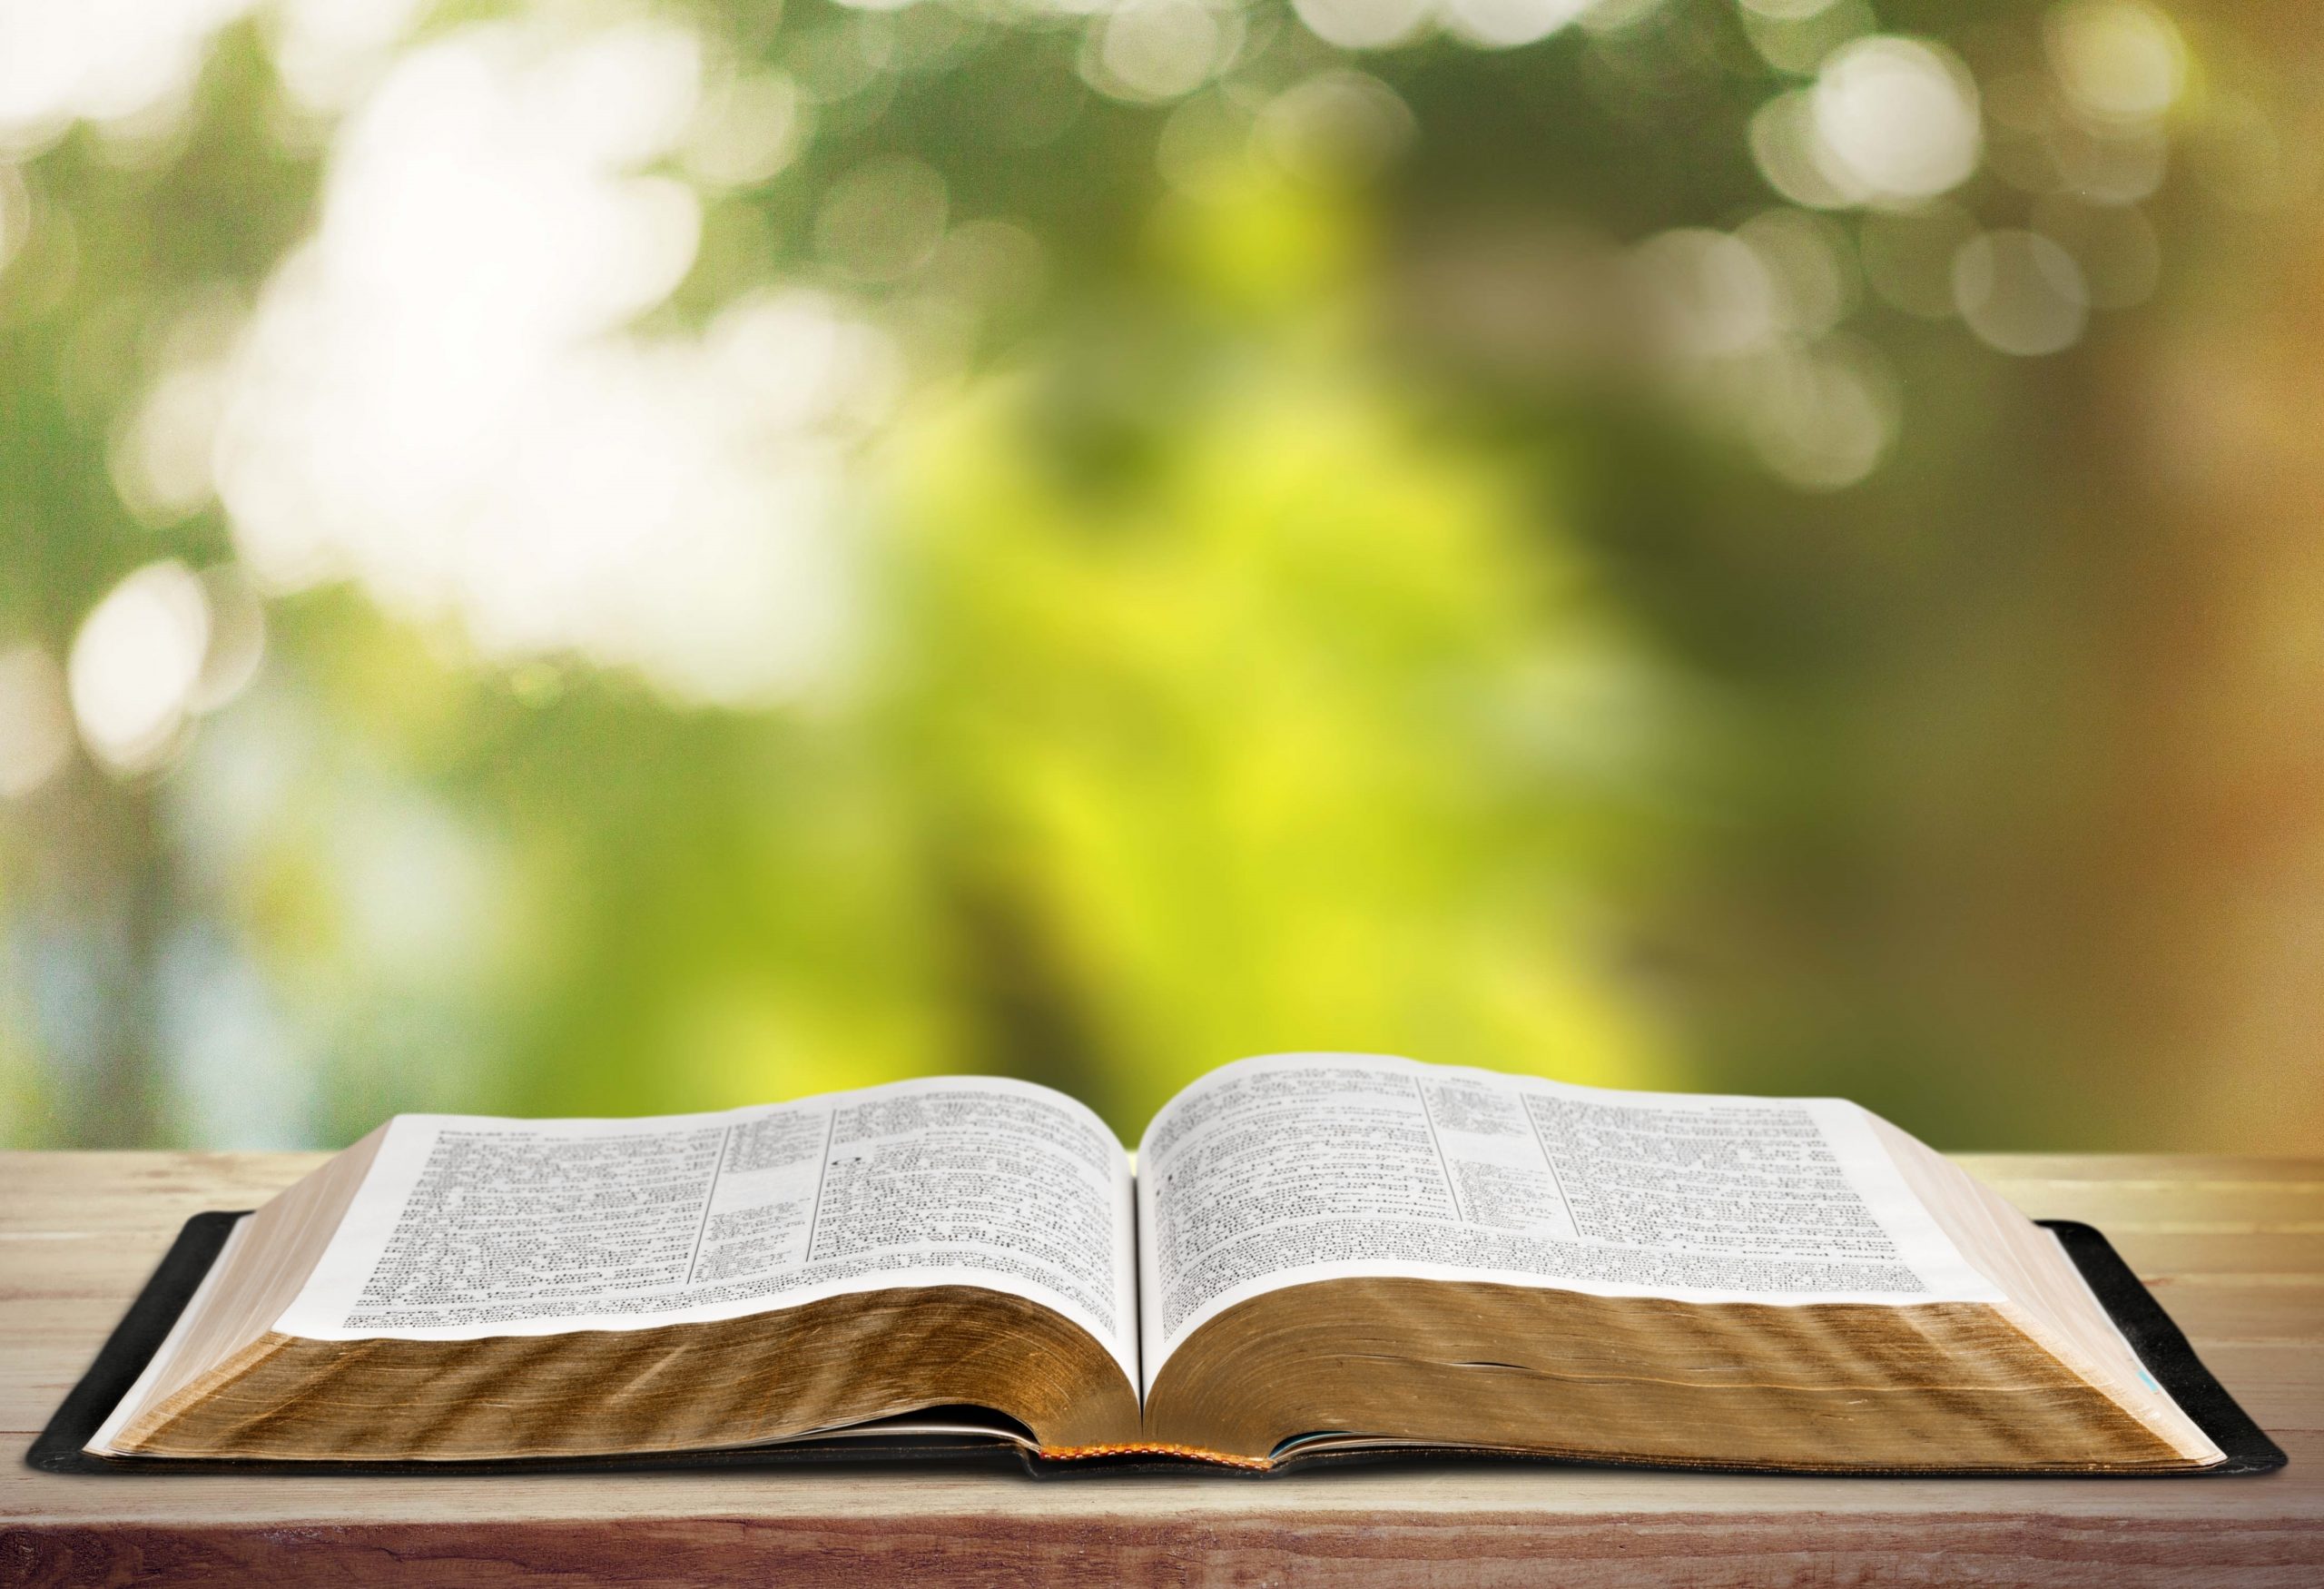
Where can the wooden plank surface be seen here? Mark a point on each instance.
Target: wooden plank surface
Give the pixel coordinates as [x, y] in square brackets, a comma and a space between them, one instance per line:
[2235, 1247]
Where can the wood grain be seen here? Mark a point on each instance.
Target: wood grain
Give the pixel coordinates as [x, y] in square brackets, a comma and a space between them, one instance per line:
[78, 1233]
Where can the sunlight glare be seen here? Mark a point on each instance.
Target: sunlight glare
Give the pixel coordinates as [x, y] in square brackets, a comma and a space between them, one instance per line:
[439, 397]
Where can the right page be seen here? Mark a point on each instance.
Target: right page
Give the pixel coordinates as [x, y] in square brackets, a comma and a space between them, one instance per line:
[1292, 1168]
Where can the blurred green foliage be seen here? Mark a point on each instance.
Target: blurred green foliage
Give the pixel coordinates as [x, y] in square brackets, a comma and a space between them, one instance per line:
[1292, 596]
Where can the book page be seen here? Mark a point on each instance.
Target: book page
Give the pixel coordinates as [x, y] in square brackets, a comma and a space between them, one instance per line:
[1293, 1167]
[469, 1226]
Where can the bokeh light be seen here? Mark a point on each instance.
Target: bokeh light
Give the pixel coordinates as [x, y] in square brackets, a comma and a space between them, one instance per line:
[2119, 60]
[2020, 291]
[136, 664]
[1712, 292]
[1502, 25]
[1365, 24]
[1337, 126]
[882, 220]
[747, 130]
[1160, 49]
[1896, 118]
[1810, 274]
[1823, 417]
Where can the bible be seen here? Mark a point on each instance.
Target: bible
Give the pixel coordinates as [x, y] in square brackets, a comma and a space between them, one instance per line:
[1311, 1257]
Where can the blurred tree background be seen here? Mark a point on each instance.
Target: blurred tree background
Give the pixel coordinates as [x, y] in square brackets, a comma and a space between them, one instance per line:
[578, 557]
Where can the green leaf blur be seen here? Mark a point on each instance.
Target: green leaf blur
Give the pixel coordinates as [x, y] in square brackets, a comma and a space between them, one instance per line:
[622, 559]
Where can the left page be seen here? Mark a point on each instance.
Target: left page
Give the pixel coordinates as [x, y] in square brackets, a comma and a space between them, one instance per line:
[470, 1226]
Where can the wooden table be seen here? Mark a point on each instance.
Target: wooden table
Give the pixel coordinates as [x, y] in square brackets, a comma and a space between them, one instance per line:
[2234, 1247]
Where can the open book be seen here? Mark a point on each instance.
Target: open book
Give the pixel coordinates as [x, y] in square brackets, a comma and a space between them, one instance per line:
[1317, 1253]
